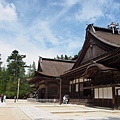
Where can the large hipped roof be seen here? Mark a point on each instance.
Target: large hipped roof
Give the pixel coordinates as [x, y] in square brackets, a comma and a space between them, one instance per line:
[53, 67]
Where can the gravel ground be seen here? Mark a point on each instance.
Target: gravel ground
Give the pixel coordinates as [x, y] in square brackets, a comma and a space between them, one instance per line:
[12, 111]
[12, 114]
[82, 113]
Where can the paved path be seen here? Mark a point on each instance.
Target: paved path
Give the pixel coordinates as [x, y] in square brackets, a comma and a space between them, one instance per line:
[38, 114]
[23, 110]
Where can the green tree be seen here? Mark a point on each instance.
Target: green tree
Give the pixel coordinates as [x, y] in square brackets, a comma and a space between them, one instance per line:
[66, 57]
[16, 64]
[62, 57]
[58, 57]
[30, 74]
[3, 80]
[15, 71]
[31, 70]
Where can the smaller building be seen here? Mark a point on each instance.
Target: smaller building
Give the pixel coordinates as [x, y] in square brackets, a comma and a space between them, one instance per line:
[47, 77]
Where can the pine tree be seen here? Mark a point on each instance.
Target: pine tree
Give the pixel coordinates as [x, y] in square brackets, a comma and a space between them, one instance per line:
[15, 70]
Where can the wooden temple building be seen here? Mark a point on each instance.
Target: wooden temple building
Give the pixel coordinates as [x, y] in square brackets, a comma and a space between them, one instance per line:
[47, 77]
[94, 78]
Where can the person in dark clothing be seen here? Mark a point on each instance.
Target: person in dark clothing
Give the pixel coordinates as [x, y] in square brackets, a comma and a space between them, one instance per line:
[2, 97]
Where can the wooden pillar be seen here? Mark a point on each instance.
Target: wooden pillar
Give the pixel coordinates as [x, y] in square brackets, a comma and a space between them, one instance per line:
[113, 95]
[72, 89]
[60, 92]
[46, 94]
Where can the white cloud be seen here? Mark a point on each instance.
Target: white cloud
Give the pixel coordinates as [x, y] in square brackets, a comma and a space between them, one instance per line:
[5, 50]
[111, 10]
[21, 41]
[72, 2]
[111, 6]
[74, 44]
[7, 12]
[65, 3]
[37, 35]
[90, 11]
[47, 33]
[66, 6]
[95, 9]
[41, 33]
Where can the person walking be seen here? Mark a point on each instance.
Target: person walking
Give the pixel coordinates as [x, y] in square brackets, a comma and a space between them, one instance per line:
[54, 101]
[64, 100]
[4, 98]
[14, 99]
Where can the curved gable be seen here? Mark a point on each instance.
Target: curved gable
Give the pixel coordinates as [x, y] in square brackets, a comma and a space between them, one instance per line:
[96, 45]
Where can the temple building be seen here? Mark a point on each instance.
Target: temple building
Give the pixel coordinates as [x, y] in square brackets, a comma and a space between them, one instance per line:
[47, 78]
[93, 78]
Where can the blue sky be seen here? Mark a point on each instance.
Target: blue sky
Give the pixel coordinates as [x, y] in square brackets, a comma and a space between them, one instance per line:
[49, 28]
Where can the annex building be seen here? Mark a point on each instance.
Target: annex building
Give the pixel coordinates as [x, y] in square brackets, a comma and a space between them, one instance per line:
[47, 77]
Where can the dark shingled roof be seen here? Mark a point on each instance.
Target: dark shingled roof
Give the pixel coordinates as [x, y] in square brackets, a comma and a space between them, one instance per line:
[107, 36]
[53, 67]
[102, 37]
[96, 66]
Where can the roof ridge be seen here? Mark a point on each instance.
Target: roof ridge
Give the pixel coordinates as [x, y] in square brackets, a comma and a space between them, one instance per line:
[97, 28]
[51, 59]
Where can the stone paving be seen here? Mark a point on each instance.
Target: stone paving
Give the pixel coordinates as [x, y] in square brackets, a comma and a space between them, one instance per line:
[23, 110]
[36, 113]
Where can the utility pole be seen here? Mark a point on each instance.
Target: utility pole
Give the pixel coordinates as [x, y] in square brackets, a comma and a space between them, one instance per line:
[18, 89]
